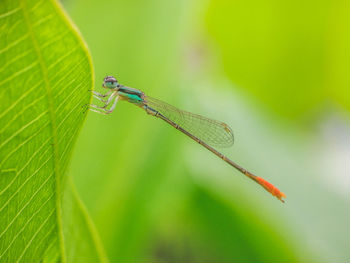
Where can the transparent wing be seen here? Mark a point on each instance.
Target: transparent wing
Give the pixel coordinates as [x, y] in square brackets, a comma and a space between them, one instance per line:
[210, 131]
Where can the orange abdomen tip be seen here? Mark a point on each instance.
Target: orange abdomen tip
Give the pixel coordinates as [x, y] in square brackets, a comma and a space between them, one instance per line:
[270, 188]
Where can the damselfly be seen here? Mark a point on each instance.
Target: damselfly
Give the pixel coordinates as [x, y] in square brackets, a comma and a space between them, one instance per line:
[205, 131]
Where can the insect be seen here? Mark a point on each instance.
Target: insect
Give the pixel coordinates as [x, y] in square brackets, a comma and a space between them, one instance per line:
[205, 131]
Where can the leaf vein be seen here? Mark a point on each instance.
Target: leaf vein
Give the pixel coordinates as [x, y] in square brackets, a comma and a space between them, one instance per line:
[14, 59]
[67, 115]
[35, 234]
[57, 38]
[19, 72]
[22, 97]
[14, 43]
[56, 167]
[26, 164]
[25, 205]
[22, 229]
[49, 232]
[42, 20]
[19, 113]
[8, 13]
[23, 184]
[64, 77]
[65, 99]
[62, 58]
[22, 128]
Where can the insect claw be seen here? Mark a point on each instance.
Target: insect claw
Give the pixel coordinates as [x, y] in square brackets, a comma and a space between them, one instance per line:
[85, 107]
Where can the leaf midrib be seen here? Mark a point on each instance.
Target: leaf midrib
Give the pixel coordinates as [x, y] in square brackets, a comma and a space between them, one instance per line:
[53, 127]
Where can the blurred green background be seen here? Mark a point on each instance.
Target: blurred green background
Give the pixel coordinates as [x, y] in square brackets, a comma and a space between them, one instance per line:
[277, 72]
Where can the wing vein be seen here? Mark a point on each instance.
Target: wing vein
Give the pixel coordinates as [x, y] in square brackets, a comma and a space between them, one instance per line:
[210, 131]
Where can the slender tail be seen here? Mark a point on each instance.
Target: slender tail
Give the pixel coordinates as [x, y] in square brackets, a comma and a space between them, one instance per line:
[267, 185]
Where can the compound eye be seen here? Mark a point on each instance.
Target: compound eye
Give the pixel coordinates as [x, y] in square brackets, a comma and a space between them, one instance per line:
[110, 79]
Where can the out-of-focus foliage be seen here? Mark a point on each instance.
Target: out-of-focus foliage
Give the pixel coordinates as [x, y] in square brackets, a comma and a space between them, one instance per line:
[156, 196]
[45, 72]
[293, 56]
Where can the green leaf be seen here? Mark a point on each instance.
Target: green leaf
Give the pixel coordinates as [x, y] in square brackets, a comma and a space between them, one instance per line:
[80, 236]
[45, 75]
